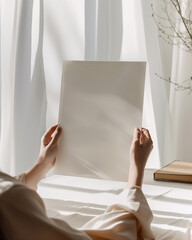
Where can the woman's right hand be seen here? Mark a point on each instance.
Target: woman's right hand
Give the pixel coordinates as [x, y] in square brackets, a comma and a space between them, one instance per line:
[46, 159]
[140, 150]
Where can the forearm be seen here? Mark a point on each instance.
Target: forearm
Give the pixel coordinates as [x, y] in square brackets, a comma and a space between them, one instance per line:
[34, 175]
[46, 159]
[135, 175]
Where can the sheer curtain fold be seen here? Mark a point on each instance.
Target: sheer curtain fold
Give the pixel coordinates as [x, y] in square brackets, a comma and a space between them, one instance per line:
[8, 19]
[23, 97]
[109, 30]
[159, 97]
[181, 106]
[30, 115]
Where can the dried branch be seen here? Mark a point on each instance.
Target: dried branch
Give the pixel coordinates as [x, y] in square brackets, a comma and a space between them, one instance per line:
[185, 85]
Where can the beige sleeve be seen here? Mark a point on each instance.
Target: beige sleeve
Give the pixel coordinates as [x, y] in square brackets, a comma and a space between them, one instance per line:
[129, 218]
[23, 216]
[20, 178]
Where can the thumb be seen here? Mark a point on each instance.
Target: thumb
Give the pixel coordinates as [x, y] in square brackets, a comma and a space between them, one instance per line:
[136, 135]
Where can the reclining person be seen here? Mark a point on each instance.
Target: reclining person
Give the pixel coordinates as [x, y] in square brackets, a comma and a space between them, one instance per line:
[23, 215]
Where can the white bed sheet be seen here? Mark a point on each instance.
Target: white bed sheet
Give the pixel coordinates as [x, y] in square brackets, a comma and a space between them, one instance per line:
[77, 200]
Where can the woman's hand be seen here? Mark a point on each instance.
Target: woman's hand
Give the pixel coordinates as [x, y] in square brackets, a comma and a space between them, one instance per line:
[48, 151]
[141, 147]
[46, 159]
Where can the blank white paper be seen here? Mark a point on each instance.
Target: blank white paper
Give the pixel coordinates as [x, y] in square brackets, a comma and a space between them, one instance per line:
[100, 105]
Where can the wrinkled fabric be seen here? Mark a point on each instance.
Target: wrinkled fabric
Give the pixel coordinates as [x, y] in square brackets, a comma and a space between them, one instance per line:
[23, 216]
[21, 178]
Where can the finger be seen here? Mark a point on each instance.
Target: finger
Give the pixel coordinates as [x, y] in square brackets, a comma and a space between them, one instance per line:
[136, 134]
[51, 130]
[147, 136]
[56, 136]
[48, 134]
[142, 137]
[146, 132]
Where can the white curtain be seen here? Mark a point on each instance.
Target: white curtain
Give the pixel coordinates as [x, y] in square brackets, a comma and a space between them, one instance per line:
[36, 36]
[23, 93]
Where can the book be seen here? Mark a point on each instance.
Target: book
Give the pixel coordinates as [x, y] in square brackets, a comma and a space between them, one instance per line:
[177, 171]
